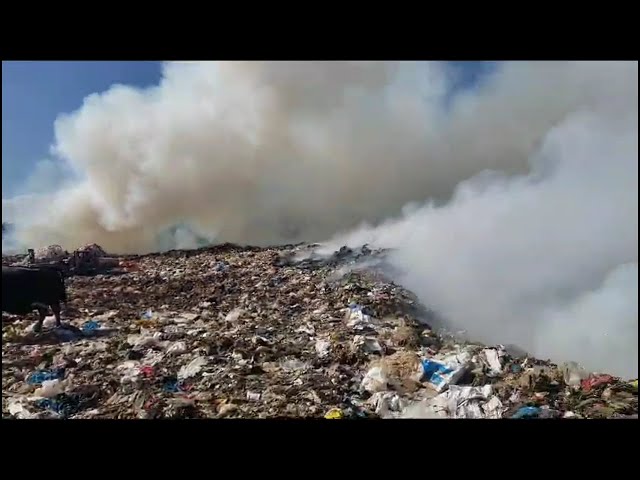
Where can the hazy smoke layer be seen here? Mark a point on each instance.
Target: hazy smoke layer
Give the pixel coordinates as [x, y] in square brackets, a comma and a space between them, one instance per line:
[542, 252]
[547, 261]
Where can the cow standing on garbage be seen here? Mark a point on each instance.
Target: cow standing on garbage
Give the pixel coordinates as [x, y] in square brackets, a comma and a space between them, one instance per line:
[26, 289]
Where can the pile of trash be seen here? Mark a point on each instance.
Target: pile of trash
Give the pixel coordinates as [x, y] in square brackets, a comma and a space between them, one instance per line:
[85, 260]
[229, 331]
[50, 253]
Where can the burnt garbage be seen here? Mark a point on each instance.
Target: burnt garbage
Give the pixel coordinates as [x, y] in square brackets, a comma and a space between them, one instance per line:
[246, 332]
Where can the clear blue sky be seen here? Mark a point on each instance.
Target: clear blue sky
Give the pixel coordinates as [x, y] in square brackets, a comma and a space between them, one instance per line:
[35, 93]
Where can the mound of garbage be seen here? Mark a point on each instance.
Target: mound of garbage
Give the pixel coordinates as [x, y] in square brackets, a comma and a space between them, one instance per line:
[89, 259]
[251, 332]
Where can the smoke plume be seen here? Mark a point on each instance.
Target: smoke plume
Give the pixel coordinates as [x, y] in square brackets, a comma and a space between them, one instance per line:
[513, 204]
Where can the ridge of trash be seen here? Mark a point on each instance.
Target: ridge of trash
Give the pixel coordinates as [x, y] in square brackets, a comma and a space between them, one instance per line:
[258, 332]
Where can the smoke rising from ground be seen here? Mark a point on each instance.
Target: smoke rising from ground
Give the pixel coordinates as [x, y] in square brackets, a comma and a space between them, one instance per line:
[530, 233]
[547, 261]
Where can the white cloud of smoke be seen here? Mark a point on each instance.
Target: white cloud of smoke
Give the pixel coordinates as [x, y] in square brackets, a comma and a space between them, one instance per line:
[537, 246]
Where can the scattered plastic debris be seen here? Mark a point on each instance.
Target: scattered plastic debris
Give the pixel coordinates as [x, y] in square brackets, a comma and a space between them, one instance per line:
[42, 376]
[334, 414]
[527, 412]
[253, 396]
[493, 357]
[192, 369]
[17, 409]
[51, 388]
[443, 371]
[470, 402]
[243, 332]
[90, 327]
[573, 374]
[596, 381]
[322, 347]
[375, 380]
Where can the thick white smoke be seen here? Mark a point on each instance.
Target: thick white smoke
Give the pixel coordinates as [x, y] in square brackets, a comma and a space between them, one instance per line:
[537, 246]
[547, 261]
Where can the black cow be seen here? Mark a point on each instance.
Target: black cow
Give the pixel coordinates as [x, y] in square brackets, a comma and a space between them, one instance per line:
[26, 289]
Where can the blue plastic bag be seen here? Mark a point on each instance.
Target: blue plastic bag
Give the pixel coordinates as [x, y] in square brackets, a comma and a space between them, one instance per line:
[38, 378]
[527, 412]
[90, 327]
[437, 374]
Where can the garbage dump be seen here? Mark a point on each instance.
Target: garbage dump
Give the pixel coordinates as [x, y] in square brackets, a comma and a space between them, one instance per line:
[89, 259]
[233, 332]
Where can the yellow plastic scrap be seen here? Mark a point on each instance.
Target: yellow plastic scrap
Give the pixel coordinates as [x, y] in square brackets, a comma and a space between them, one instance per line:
[634, 384]
[334, 414]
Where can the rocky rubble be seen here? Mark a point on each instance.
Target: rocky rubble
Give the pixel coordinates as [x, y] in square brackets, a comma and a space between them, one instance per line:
[228, 332]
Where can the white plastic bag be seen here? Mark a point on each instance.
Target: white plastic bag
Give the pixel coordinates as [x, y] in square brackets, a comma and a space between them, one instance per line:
[375, 380]
[18, 410]
[356, 318]
[234, 315]
[192, 369]
[322, 347]
[493, 358]
[368, 344]
[444, 370]
[471, 402]
[51, 388]
[177, 348]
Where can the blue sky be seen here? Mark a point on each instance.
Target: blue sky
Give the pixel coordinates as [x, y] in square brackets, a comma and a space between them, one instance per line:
[35, 93]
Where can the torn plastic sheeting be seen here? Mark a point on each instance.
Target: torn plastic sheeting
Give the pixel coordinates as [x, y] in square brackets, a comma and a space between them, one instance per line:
[493, 358]
[144, 341]
[43, 376]
[369, 344]
[527, 412]
[573, 374]
[356, 318]
[387, 404]
[18, 410]
[375, 380]
[177, 348]
[63, 405]
[596, 381]
[424, 409]
[322, 347]
[470, 402]
[440, 375]
[90, 326]
[51, 388]
[192, 369]
[173, 387]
